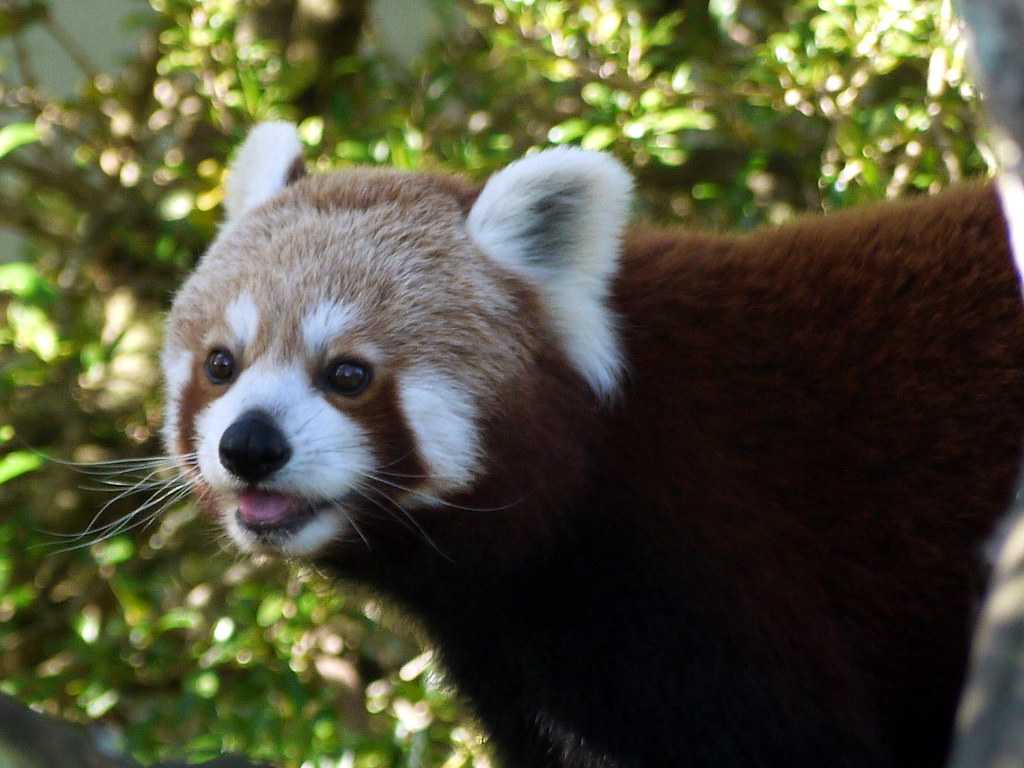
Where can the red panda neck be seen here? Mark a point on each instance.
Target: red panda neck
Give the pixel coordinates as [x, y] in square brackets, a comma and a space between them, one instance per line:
[818, 427]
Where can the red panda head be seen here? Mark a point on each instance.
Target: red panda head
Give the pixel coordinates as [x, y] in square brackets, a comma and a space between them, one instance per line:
[349, 334]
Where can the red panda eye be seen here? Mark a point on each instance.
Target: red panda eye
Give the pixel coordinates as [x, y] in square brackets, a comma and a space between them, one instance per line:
[220, 366]
[347, 377]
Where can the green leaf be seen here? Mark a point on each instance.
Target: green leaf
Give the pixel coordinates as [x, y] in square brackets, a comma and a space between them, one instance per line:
[311, 131]
[270, 609]
[568, 131]
[607, 25]
[24, 281]
[114, 551]
[205, 684]
[33, 330]
[100, 705]
[665, 31]
[706, 191]
[133, 605]
[599, 137]
[18, 463]
[683, 119]
[177, 205]
[180, 618]
[249, 81]
[17, 135]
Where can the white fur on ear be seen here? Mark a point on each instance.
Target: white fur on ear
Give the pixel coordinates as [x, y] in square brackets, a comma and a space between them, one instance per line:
[1011, 195]
[557, 219]
[262, 167]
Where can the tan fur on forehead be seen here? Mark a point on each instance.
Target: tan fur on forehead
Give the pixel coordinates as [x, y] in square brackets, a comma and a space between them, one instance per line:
[362, 188]
[392, 247]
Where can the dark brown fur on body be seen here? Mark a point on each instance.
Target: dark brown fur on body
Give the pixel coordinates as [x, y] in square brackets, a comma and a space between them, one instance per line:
[763, 551]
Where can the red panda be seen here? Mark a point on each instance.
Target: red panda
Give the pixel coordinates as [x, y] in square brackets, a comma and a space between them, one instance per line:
[658, 498]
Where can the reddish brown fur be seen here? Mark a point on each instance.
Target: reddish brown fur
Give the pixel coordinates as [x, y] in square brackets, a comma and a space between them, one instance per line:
[367, 188]
[840, 400]
[774, 536]
[764, 550]
[381, 416]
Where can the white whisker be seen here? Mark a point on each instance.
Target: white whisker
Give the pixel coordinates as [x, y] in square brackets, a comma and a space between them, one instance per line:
[419, 528]
[130, 522]
[436, 500]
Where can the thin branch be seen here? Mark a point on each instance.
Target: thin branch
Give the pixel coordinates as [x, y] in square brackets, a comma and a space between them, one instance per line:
[26, 224]
[28, 75]
[66, 182]
[70, 46]
[34, 103]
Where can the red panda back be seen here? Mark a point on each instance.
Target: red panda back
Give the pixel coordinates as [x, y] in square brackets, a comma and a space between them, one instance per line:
[837, 405]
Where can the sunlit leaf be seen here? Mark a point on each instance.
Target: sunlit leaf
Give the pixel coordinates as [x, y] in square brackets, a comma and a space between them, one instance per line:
[114, 551]
[568, 131]
[17, 463]
[270, 610]
[206, 684]
[24, 281]
[87, 623]
[311, 130]
[682, 119]
[100, 705]
[599, 137]
[33, 330]
[177, 205]
[17, 135]
[180, 618]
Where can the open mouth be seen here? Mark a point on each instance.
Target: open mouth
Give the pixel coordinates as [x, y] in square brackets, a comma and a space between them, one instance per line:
[274, 516]
[278, 523]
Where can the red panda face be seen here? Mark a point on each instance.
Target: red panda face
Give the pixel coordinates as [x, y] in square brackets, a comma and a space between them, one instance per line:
[343, 341]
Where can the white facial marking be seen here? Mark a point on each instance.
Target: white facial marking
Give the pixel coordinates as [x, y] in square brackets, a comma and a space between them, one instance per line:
[177, 368]
[260, 169]
[242, 539]
[310, 424]
[330, 452]
[443, 418]
[325, 322]
[557, 219]
[314, 534]
[244, 319]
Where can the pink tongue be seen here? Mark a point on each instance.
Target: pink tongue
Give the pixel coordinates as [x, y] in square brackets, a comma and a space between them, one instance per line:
[261, 508]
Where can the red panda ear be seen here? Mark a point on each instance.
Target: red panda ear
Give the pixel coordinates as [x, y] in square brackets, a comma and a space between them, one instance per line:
[557, 218]
[269, 159]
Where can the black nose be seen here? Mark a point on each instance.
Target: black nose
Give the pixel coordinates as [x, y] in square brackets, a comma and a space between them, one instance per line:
[252, 448]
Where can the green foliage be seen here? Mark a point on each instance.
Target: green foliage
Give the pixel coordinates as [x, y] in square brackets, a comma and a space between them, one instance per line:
[732, 113]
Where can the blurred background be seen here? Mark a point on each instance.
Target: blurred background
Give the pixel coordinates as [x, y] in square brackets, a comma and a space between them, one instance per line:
[117, 118]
